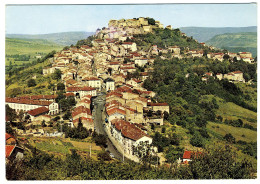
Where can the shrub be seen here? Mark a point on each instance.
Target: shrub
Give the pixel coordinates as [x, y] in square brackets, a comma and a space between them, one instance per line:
[163, 129]
[229, 137]
[31, 83]
[197, 140]
[103, 156]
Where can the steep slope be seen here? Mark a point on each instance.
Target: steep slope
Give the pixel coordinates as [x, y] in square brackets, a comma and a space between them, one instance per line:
[203, 34]
[236, 42]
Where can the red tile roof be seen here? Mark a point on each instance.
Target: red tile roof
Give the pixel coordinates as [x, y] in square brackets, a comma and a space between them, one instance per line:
[127, 43]
[143, 74]
[86, 88]
[8, 150]
[114, 63]
[38, 97]
[27, 101]
[8, 136]
[136, 80]
[38, 111]
[236, 72]
[190, 154]
[80, 109]
[128, 130]
[113, 102]
[127, 68]
[69, 94]
[115, 110]
[123, 89]
[157, 104]
[83, 119]
[91, 79]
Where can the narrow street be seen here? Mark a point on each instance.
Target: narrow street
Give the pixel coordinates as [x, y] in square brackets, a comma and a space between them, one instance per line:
[99, 107]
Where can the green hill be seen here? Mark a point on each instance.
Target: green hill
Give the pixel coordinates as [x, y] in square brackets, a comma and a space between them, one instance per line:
[236, 42]
[64, 38]
[19, 50]
[203, 34]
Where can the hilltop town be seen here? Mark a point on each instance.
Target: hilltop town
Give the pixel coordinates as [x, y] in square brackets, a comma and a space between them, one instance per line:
[104, 80]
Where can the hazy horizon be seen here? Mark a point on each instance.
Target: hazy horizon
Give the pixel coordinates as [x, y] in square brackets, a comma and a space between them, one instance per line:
[47, 19]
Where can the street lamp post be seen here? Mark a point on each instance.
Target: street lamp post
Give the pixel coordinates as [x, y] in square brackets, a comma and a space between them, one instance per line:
[123, 154]
[90, 151]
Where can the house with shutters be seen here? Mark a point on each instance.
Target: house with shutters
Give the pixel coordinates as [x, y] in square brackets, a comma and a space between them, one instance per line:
[19, 104]
[159, 107]
[119, 79]
[130, 45]
[86, 122]
[115, 113]
[80, 112]
[110, 84]
[36, 113]
[141, 62]
[82, 91]
[134, 82]
[128, 135]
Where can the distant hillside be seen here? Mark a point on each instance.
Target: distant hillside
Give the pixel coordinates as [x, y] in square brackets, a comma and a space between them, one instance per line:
[236, 42]
[28, 47]
[203, 34]
[65, 38]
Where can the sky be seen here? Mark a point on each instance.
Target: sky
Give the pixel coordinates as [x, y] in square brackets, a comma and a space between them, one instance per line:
[43, 19]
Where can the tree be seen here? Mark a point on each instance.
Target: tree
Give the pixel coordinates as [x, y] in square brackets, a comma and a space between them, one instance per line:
[173, 153]
[64, 105]
[60, 97]
[226, 56]
[165, 115]
[57, 74]
[71, 101]
[66, 48]
[60, 86]
[20, 115]
[74, 163]
[151, 21]
[104, 156]
[10, 113]
[43, 123]
[109, 70]
[67, 115]
[229, 137]
[163, 129]
[174, 139]
[196, 140]
[145, 153]
[31, 83]
[100, 139]
[246, 76]
[217, 162]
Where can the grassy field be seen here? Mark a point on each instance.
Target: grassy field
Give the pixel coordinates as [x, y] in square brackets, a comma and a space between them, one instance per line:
[62, 146]
[32, 47]
[220, 130]
[232, 111]
[250, 91]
